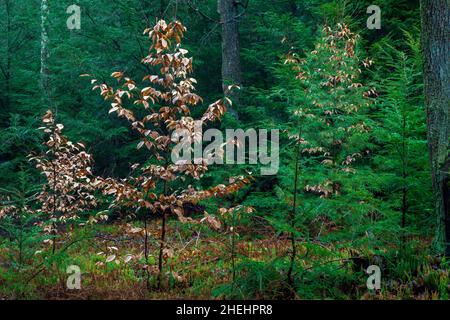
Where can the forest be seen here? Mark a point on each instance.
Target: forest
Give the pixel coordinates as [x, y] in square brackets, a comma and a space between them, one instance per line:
[224, 149]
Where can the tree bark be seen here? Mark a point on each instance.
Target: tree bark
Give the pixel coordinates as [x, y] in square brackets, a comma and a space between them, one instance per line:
[45, 75]
[436, 52]
[231, 61]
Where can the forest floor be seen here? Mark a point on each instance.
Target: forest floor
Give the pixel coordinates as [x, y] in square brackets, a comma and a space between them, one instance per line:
[198, 264]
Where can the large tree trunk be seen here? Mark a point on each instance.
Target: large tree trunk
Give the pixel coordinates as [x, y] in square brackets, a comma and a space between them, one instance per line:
[436, 51]
[231, 61]
[45, 76]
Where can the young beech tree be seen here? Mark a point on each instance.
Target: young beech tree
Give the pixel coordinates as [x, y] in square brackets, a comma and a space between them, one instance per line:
[157, 186]
[69, 189]
[330, 131]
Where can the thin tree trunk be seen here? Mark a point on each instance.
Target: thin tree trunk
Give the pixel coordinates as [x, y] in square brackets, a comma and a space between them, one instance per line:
[54, 229]
[45, 77]
[231, 61]
[233, 250]
[404, 179]
[163, 232]
[147, 271]
[436, 51]
[404, 209]
[161, 250]
[8, 55]
[293, 215]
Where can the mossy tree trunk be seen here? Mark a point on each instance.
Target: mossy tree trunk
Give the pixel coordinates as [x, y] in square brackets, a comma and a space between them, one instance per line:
[231, 61]
[436, 52]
